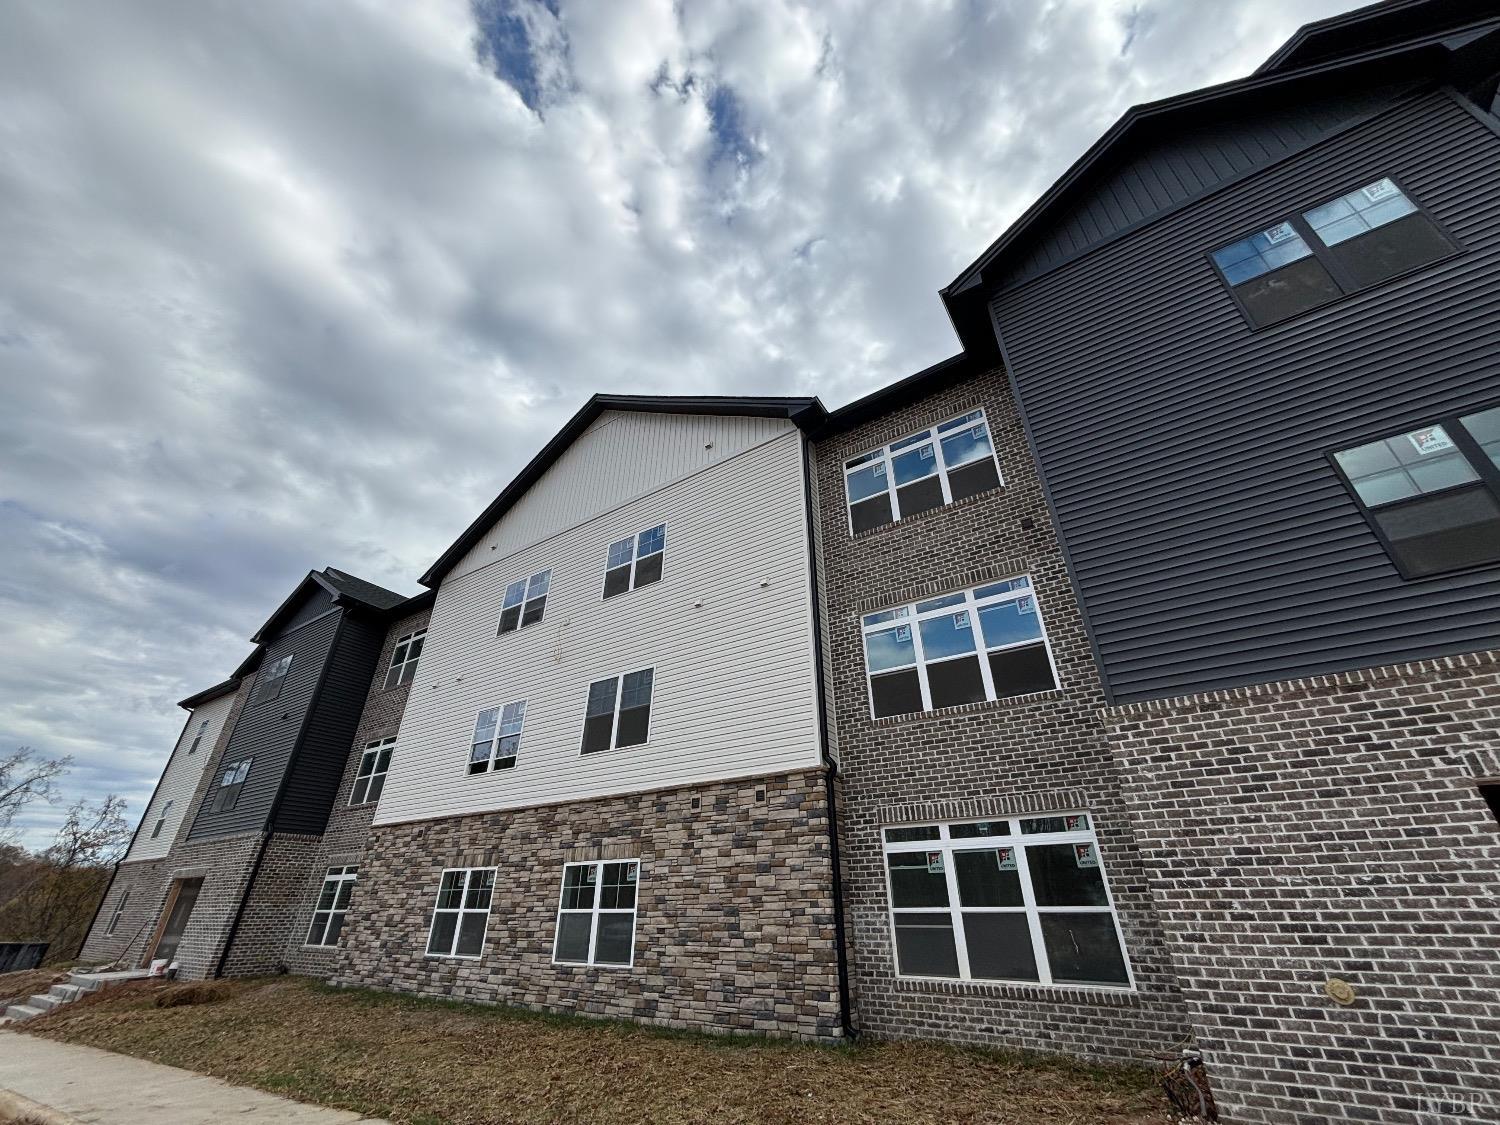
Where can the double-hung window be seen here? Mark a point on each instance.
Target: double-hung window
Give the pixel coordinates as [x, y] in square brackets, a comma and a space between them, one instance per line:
[231, 781]
[596, 919]
[635, 561]
[332, 906]
[114, 919]
[404, 658]
[1432, 494]
[369, 779]
[1009, 900]
[268, 687]
[198, 738]
[497, 737]
[463, 911]
[525, 602]
[161, 820]
[1360, 239]
[985, 643]
[952, 460]
[618, 712]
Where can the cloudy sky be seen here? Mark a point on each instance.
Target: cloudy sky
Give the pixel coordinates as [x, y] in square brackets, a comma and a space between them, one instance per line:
[286, 285]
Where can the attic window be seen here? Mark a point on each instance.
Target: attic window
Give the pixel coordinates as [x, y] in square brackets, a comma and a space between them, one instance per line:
[1348, 244]
[269, 685]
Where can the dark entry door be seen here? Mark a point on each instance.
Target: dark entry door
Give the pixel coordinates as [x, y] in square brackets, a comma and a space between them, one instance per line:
[177, 917]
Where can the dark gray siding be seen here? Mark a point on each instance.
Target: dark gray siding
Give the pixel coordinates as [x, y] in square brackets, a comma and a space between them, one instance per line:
[269, 731]
[319, 603]
[1174, 168]
[319, 764]
[1186, 455]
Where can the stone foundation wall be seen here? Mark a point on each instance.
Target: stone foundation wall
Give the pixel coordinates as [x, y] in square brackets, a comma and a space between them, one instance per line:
[1331, 828]
[734, 924]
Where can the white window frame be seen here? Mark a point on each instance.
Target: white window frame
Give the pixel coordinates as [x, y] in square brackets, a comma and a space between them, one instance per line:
[371, 754]
[461, 910]
[1015, 840]
[883, 455]
[908, 615]
[526, 600]
[614, 726]
[337, 876]
[403, 666]
[520, 733]
[595, 911]
[635, 557]
[114, 918]
[197, 738]
[272, 678]
[161, 820]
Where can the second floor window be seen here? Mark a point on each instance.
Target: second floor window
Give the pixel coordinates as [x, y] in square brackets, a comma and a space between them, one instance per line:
[497, 737]
[271, 679]
[525, 602]
[986, 643]
[952, 460]
[231, 781]
[619, 712]
[635, 561]
[404, 658]
[1432, 494]
[161, 820]
[1360, 239]
[369, 779]
[198, 738]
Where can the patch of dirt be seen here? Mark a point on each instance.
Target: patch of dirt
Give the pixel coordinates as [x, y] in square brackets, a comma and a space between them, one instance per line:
[16, 987]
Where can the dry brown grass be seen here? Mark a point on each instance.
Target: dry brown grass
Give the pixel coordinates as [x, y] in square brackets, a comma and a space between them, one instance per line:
[16, 987]
[421, 1062]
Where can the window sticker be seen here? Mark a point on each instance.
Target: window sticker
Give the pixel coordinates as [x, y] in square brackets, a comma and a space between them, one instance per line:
[1025, 605]
[1076, 822]
[926, 453]
[961, 620]
[1279, 233]
[1380, 189]
[934, 863]
[880, 469]
[630, 874]
[1430, 439]
[1084, 855]
[1006, 858]
[588, 873]
[903, 632]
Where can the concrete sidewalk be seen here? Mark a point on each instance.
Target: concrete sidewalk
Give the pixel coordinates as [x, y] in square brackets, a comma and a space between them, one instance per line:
[99, 1086]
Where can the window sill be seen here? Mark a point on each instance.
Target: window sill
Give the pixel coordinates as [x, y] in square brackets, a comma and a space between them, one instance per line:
[1010, 701]
[587, 965]
[1119, 997]
[966, 502]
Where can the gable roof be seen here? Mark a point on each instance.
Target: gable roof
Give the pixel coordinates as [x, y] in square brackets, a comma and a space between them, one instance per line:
[342, 588]
[805, 413]
[1372, 27]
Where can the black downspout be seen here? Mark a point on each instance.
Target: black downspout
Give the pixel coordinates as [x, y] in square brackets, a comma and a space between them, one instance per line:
[265, 839]
[846, 1013]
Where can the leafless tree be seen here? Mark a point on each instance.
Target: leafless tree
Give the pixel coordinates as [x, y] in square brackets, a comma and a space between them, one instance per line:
[25, 776]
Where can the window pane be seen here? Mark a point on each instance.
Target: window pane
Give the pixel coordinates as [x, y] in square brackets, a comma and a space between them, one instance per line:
[948, 635]
[635, 725]
[1484, 427]
[1261, 253]
[920, 497]
[889, 648]
[1019, 671]
[650, 541]
[444, 924]
[471, 934]
[914, 464]
[1291, 290]
[988, 877]
[1072, 822]
[620, 553]
[1432, 534]
[315, 932]
[326, 896]
[618, 889]
[924, 945]
[960, 422]
[514, 593]
[648, 570]
[955, 681]
[1010, 585]
[450, 893]
[512, 718]
[1083, 948]
[602, 696]
[917, 879]
[376, 788]
[596, 733]
[538, 584]
[573, 937]
[999, 947]
[866, 482]
[481, 884]
[1066, 875]
[510, 619]
[343, 894]
[940, 603]
[613, 944]
[1396, 468]
[534, 610]
[1371, 206]
[578, 887]
[966, 445]
[616, 581]
[636, 691]
[973, 479]
[416, 646]
[1403, 245]
[896, 693]
[484, 725]
[979, 828]
[335, 927]
[923, 832]
[1008, 623]
[875, 512]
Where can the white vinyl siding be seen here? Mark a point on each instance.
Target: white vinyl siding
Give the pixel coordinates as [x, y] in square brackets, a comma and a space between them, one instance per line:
[180, 779]
[728, 632]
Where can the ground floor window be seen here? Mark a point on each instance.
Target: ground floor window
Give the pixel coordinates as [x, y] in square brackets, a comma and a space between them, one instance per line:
[1022, 899]
[596, 920]
[463, 912]
[332, 905]
[114, 919]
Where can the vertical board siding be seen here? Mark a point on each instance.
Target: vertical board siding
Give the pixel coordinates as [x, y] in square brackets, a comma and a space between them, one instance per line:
[1186, 454]
[734, 688]
[268, 731]
[179, 779]
[319, 764]
[623, 455]
[1165, 171]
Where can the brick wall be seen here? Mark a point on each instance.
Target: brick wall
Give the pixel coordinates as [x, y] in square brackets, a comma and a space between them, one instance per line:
[734, 928]
[1331, 828]
[1045, 751]
[143, 882]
